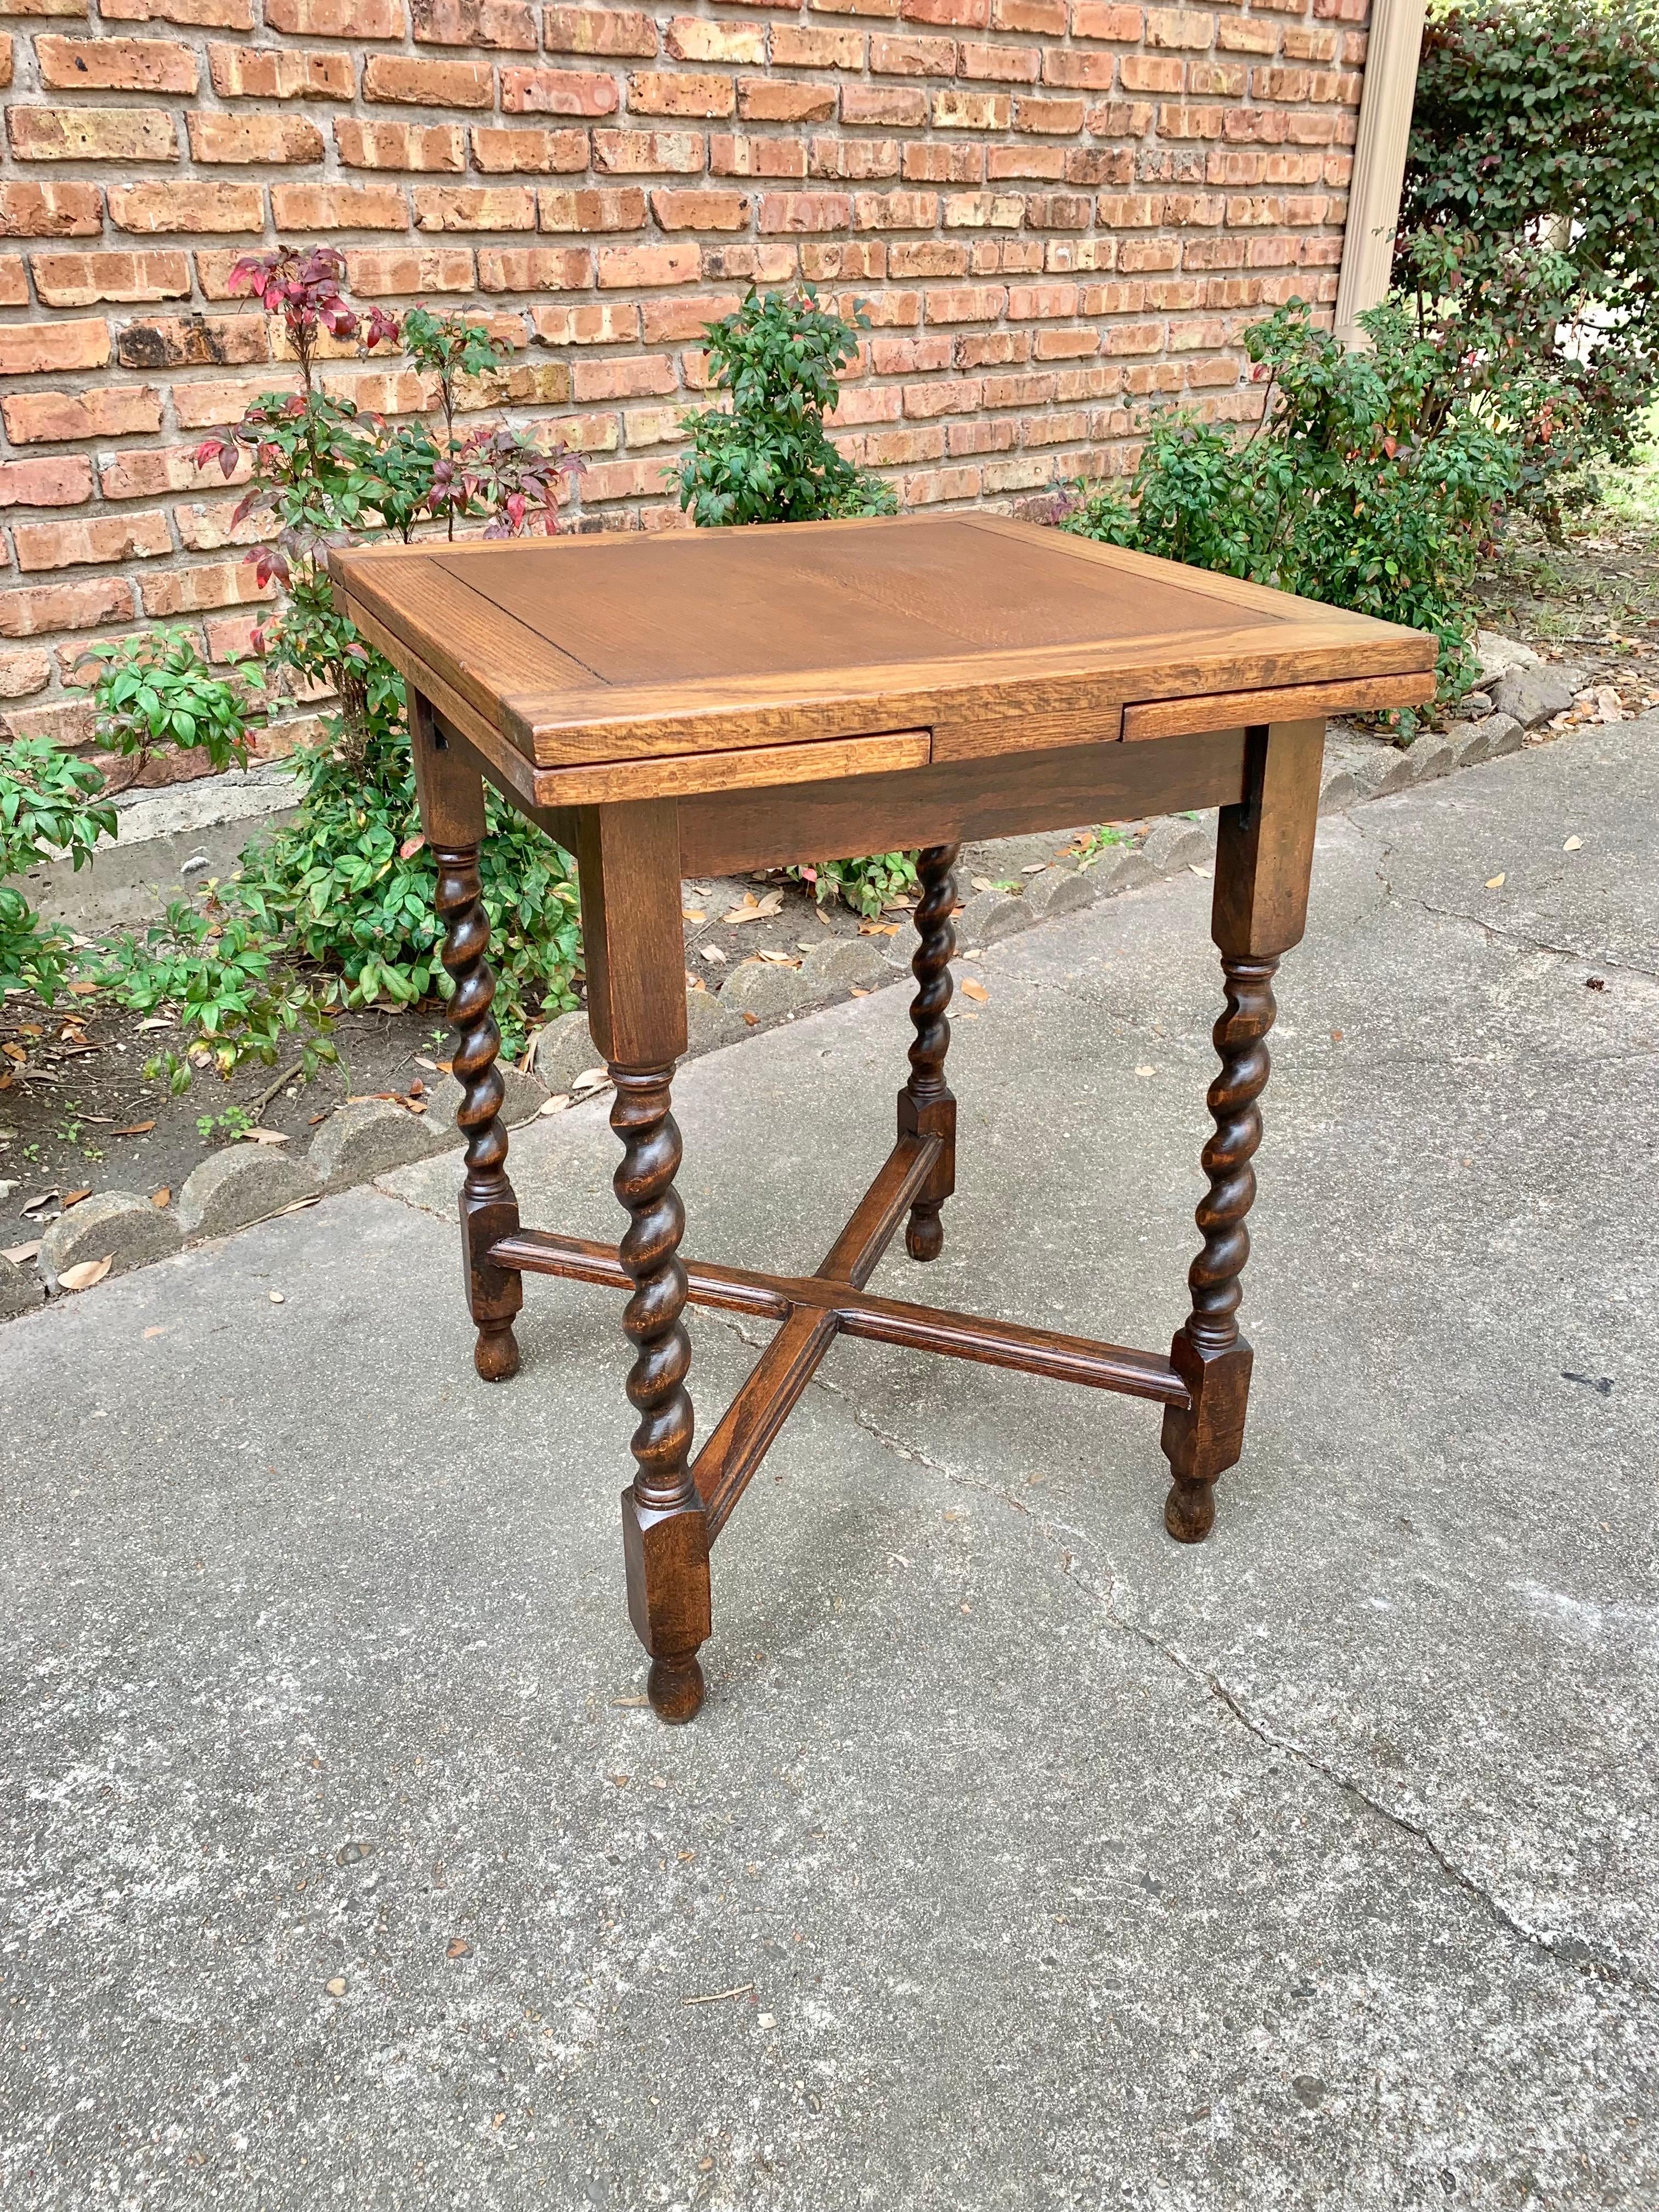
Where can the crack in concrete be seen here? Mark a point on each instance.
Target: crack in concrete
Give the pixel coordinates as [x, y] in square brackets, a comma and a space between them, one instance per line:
[1538, 944]
[1572, 1953]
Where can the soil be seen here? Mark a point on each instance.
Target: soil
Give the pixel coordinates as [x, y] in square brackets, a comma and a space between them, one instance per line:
[1592, 604]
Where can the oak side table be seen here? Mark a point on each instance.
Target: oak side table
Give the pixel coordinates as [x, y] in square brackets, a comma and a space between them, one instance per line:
[697, 704]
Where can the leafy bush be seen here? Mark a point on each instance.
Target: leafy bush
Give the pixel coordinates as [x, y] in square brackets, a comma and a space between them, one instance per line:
[766, 456]
[48, 806]
[156, 689]
[350, 884]
[1369, 484]
[235, 997]
[1529, 226]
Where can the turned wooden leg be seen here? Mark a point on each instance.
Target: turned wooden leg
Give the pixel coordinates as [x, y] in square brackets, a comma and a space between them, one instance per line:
[488, 1208]
[1264, 857]
[629, 860]
[666, 1537]
[925, 1107]
[1208, 1353]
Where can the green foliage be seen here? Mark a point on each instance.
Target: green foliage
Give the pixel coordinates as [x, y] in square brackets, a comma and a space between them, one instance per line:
[224, 976]
[767, 456]
[156, 689]
[1529, 227]
[48, 806]
[867, 885]
[350, 884]
[1371, 484]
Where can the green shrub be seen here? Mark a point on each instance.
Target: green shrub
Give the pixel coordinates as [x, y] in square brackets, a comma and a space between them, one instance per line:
[156, 689]
[766, 456]
[48, 806]
[1528, 243]
[1369, 484]
[236, 995]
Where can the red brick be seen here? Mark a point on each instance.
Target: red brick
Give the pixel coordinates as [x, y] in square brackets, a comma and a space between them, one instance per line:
[1186, 27]
[766, 99]
[622, 267]
[700, 210]
[966, 304]
[966, 15]
[523, 152]
[196, 15]
[858, 160]
[1001, 65]
[599, 31]
[507, 26]
[81, 279]
[1060, 118]
[421, 83]
[154, 209]
[927, 256]
[756, 157]
[279, 73]
[652, 92]
[955, 110]
[616, 208]
[858, 261]
[1104, 19]
[113, 410]
[23, 673]
[904, 106]
[103, 538]
[793, 48]
[1038, 161]
[337, 207]
[64, 210]
[92, 134]
[695, 38]
[474, 207]
[535, 269]
[28, 349]
[55, 480]
[385, 273]
[47, 607]
[192, 341]
[149, 475]
[249, 139]
[945, 164]
[642, 153]
[426, 147]
[336, 19]
[1045, 16]
[803, 211]
[1076, 72]
[556, 92]
[912, 56]
[191, 591]
[116, 65]
[607, 323]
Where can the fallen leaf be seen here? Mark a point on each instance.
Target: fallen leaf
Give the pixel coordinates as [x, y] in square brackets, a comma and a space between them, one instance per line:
[337, 1988]
[1336, 1036]
[693, 914]
[1495, 883]
[457, 1948]
[134, 1129]
[21, 1255]
[878, 929]
[85, 1274]
[618, 1781]
[157, 1022]
[973, 989]
[276, 1298]
[156, 1328]
[1572, 844]
[1146, 1070]
[410, 847]
[778, 959]
[556, 1104]
[264, 1136]
[591, 1078]
[82, 990]
[857, 991]
[73, 1197]
[161, 1200]
[34, 1205]
[1034, 867]
[713, 952]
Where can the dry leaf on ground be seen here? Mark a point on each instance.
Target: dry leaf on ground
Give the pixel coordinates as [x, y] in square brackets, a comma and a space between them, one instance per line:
[84, 1275]
[134, 1129]
[21, 1255]
[973, 989]
[1495, 883]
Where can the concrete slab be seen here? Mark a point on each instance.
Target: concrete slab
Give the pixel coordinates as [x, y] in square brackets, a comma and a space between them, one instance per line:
[1026, 1858]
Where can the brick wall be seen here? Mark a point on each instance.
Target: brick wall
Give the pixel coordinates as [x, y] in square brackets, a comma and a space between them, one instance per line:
[1059, 210]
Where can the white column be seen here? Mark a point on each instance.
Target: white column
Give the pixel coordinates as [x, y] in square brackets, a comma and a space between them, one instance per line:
[1379, 160]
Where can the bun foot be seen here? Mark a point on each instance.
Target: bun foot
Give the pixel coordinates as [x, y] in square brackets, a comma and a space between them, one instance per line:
[495, 1355]
[1189, 1511]
[924, 1233]
[676, 1690]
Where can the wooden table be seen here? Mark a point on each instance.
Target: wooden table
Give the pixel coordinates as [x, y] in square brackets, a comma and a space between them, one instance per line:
[697, 705]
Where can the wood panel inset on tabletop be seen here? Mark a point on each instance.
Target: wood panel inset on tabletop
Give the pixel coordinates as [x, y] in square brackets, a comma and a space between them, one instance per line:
[590, 668]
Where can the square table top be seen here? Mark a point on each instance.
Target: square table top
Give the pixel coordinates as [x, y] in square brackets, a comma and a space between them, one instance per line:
[602, 667]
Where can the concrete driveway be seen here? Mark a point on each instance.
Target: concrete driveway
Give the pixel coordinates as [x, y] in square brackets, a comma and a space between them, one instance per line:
[1020, 1858]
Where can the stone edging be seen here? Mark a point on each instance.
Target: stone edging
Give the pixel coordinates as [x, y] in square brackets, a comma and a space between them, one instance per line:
[245, 1183]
